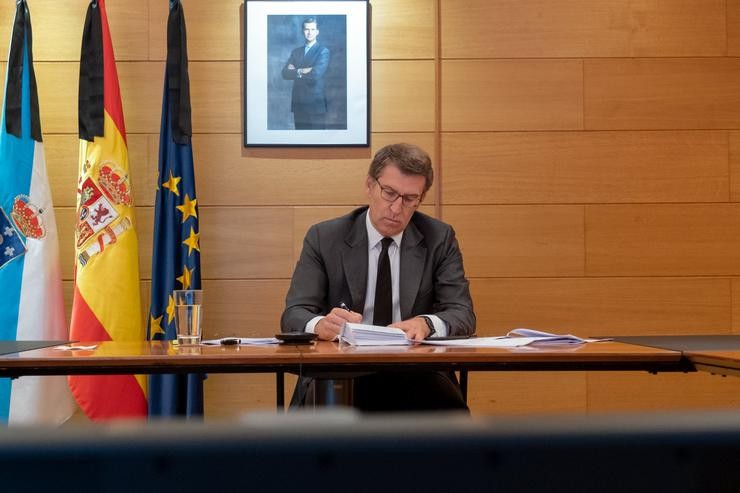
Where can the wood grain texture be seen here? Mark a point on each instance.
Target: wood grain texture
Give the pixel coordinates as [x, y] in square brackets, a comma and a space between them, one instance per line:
[412, 21]
[243, 308]
[585, 167]
[733, 28]
[630, 391]
[141, 95]
[663, 240]
[227, 174]
[582, 28]
[735, 314]
[479, 95]
[675, 93]
[403, 96]
[734, 157]
[507, 393]
[214, 30]
[58, 24]
[604, 306]
[519, 241]
[246, 243]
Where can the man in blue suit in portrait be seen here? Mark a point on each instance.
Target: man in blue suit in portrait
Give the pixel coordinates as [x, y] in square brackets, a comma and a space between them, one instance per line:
[306, 67]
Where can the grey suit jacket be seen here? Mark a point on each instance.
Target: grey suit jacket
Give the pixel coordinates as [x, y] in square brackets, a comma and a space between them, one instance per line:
[333, 269]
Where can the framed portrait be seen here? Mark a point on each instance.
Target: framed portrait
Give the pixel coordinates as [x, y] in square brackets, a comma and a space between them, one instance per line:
[306, 73]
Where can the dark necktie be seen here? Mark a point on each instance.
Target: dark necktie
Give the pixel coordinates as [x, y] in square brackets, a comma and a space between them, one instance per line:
[383, 312]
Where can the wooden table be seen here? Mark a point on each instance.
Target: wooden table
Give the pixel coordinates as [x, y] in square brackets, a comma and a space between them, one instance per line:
[714, 353]
[721, 362]
[328, 357]
[163, 357]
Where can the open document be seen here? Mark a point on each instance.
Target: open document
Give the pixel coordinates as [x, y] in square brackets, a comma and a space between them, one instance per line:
[373, 335]
[516, 337]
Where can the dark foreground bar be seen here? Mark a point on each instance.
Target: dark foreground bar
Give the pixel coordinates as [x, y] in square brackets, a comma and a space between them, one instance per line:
[342, 452]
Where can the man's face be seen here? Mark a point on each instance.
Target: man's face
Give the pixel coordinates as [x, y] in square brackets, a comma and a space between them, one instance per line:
[310, 31]
[390, 218]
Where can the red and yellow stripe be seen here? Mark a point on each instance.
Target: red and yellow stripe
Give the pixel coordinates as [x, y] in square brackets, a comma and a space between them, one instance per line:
[107, 305]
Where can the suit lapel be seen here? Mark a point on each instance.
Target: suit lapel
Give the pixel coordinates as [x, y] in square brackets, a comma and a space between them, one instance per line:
[354, 262]
[413, 255]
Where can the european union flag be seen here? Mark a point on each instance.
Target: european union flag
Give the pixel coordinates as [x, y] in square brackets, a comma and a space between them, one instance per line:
[176, 254]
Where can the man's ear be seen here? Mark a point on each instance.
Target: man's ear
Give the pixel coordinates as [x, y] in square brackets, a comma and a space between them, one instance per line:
[368, 184]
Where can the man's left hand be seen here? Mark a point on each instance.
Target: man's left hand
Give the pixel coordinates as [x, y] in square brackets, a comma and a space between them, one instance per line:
[416, 328]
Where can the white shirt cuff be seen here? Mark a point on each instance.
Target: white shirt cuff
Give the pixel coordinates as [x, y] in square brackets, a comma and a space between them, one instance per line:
[440, 326]
[311, 324]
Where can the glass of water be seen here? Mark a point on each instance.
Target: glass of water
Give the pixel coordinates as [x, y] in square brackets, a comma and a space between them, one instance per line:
[188, 304]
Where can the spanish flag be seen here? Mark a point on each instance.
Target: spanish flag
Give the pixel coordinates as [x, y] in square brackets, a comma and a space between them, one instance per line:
[106, 303]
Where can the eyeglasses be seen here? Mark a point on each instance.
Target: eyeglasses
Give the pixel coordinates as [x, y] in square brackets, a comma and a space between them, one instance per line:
[390, 195]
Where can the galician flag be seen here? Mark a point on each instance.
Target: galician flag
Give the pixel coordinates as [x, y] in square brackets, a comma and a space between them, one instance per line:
[31, 302]
[176, 254]
[106, 304]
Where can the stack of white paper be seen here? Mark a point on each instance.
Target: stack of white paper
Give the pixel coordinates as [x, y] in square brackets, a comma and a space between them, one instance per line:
[373, 335]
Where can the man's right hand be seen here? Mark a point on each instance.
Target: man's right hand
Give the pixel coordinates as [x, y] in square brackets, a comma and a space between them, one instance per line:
[331, 325]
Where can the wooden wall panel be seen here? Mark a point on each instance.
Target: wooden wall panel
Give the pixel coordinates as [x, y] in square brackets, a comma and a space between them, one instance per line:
[243, 308]
[689, 93]
[228, 174]
[734, 153]
[604, 306]
[246, 242]
[590, 167]
[735, 315]
[412, 21]
[141, 94]
[58, 25]
[581, 28]
[57, 87]
[512, 95]
[214, 30]
[733, 28]
[632, 391]
[516, 392]
[519, 241]
[403, 96]
[215, 93]
[62, 160]
[663, 240]
[232, 396]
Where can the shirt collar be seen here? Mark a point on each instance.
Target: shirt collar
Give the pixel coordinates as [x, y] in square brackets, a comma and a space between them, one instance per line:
[373, 237]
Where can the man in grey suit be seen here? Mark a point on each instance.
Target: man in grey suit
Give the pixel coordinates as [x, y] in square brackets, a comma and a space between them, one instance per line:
[307, 67]
[345, 259]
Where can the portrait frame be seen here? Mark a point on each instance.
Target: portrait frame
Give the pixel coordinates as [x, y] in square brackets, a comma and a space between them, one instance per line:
[306, 83]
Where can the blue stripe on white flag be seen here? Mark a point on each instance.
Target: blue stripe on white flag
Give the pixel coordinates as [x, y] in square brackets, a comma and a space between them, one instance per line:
[32, 304]
[16, 168]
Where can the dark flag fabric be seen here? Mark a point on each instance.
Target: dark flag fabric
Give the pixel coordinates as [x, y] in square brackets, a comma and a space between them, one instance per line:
[176, 251]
